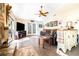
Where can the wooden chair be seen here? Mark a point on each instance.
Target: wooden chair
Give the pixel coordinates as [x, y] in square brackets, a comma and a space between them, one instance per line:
[45, 39]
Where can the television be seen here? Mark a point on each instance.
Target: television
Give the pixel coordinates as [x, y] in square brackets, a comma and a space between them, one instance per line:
[20, 26]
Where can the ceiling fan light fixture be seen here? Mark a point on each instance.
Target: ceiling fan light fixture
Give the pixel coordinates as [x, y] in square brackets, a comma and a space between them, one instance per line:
[42, 12]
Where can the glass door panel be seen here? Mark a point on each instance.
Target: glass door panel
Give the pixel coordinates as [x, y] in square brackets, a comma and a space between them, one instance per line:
[29, 28]
[34, 28]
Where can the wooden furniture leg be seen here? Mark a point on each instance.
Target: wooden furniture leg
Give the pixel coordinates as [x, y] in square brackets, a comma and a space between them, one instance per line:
[39, 42]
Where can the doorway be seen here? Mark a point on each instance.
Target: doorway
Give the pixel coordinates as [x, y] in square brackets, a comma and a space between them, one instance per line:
[31, 29]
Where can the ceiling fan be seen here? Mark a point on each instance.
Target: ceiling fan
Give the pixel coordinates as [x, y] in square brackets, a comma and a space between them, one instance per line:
[42, 12]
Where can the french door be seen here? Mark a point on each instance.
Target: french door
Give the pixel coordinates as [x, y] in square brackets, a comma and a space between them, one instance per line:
[31, 29]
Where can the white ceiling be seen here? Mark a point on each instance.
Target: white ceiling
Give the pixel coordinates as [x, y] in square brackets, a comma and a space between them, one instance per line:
[29, 10]
[56, 11]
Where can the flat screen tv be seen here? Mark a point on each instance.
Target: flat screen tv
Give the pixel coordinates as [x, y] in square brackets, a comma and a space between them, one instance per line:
[20, 26]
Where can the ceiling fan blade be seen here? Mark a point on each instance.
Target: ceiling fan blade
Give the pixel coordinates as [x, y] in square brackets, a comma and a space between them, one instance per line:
[46, 12]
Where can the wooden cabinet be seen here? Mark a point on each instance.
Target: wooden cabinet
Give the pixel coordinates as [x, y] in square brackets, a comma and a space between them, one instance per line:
[66, 39]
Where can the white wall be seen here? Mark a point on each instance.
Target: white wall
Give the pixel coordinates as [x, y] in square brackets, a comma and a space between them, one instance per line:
[38, 29]
[69, 12]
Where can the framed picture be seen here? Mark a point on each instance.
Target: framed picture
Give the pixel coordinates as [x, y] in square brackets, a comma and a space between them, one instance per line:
[55, 23]
[51, 24]
[47, 24]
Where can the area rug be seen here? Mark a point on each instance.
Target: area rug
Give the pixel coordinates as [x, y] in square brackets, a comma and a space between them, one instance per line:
[26, 51]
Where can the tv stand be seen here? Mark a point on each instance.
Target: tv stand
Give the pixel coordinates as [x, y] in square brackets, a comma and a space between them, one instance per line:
[21, 34]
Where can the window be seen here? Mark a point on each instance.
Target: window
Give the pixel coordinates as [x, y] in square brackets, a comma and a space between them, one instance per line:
[34, 28]
[55, 23]
[29, 28]
[52, 23]
[40, 25]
